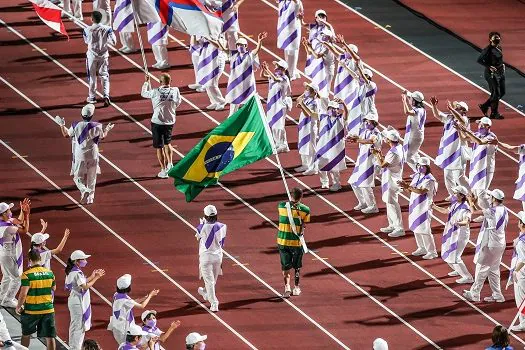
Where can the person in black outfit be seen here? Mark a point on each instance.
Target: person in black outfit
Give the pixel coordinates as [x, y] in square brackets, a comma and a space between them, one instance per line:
[492, 58]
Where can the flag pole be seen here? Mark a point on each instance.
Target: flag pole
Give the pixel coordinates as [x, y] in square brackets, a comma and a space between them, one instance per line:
[140, 39]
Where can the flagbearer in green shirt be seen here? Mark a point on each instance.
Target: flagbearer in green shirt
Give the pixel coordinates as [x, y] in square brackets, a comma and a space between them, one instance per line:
[293, 216]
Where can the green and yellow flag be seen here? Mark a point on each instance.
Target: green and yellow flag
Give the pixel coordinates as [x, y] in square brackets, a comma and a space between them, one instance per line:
[242, 139]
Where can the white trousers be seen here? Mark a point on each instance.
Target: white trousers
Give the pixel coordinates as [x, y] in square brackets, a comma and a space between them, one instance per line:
[76, 324]
[87, 179]
[425, 241]
[484, 199]
[493, 274]
[120, 337]
[126, 39]
[519, 295]
[334, 174]
[412, 156]
[195, 61]
[213, 91]
[210, 269]
[10, 278]
[279, 137]
[393, 213]
[104, 5]
[77, 8]
[97, 66]
[291, 57]
[231, 39]
[4, 335]
[459, 266]
[365, 195]
[309, 161]
[455, 177]
[161, 54]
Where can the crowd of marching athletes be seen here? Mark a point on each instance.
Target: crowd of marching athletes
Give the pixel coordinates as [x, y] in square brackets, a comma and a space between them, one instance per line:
[325, 126]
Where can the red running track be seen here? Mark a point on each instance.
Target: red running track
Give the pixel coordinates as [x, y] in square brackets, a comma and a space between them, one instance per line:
[246, 304]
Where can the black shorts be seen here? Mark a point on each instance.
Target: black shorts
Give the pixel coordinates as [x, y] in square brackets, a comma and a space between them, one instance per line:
[291, 257]
[161, 135]
[43, 325]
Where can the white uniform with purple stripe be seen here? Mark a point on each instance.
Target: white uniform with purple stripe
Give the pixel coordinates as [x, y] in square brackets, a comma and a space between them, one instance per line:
[124, 23]
[519, 193]
[390, 177]
[196, 44]
[153, 332]
[346, 88]
[11, 260]
[79, 304]
[122, 316]
[518, 256]
[307, 133]
[158, 39]
[368, 104]
[230, 17]
[453, 153]
[482, 167]
[278, 105]
[241, 83]
[330, 150]
[420, 211]
[211, 238]
[490, 247]
[455, 237]
[209, 70]
[414, 136]
[320, 70]
[289, 32]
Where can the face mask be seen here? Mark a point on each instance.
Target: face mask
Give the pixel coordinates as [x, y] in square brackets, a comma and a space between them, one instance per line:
[241, 49]
[82, 263]
[279, 73]
[307, 93]
[202, 347]
[151, 323]
[454, 198]
[369, 126]
[422, 170]
[483, 131]
[10, 215]
[332, 112]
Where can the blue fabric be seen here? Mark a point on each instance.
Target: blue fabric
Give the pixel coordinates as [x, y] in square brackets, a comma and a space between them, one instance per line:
[499, 348]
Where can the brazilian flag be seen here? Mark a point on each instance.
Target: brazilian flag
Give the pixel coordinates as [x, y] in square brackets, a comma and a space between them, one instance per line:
[242, 139]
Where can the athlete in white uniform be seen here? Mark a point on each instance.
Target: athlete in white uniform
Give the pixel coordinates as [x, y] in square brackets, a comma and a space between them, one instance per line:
[453, 152]
[289, 32]
[79, 301]
[392, 173]
[154, 334]
[490, 247]
[212, 60]
[211, 235]
[230, 17]
[38, 242]
[196, 44]
[124, 24]
[415, 126]
[98, 37]
[517, 276]
[309, 104]
[11, 254]
[165, 100]
[85, 136]
[158, 39]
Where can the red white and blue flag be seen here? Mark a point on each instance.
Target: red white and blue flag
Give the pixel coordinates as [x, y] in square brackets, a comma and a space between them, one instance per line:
[50, 14]
[193, 17]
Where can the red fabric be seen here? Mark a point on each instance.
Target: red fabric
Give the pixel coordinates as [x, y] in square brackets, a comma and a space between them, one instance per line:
[50, 13]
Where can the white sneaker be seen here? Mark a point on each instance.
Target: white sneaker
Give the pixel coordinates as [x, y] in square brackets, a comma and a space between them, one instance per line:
[212, 106]
[220, 107]
[201, 89]
[360, 206]
[335, 187]
[287, 292]
[296, 76]
[201, 292]
[214, 308]
[283, 149]
[89, 200]
[168, 167]
[453, 274]
[126, 50]
[468, 295]
[155, 65]
[491, 299]
[430, 256]
[164, 66]
[311, 172]
[296, 290]
[91, 100]
[465, 280]
[419, 252]
[518, 328]
[325, 186]
[479, 219]
[301, 169]
[397, 233]
[10, 303]
[194, 86]
[387, 229]
[370, 210]
[163, 174]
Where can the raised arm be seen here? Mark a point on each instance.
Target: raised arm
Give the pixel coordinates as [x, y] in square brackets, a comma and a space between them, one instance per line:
[174, 325]
[509, 147]
[260, 39]
[439, 209]
[218, 44]
[143, 302]
[60, 247]
[406, 108]
[435, 111]
[95, 276]
[147, 91]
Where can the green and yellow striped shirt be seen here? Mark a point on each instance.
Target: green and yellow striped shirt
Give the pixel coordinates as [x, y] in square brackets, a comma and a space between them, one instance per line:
[301, 215]
[40, 295]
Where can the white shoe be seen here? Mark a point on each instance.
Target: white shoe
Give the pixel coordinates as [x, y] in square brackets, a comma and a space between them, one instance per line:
[387, 229]
[163, 174]
[325, 186]
[201, 292]
[283, 149]
[91, 100]
[89, 200]
[164, 66]
[453, 274]
[194, 86]
[465, 280]
[214, 308]
[201, 89]
[430, 256]
[212, 106]
[419, 252]
[370, 210]
[479, 219]
[220, 107]
[10, 303]
[296, 76]
[287, 292]
[397, 233]
[301, 169]
[296, 290]
[519, 328]
[360, 206]
[335, 187]
[468, 295]
[491, 299]
[155, 65]
[311, 172]
[126, 50]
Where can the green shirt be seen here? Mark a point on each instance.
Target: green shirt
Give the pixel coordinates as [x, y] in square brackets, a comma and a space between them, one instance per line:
[300, 214]
[40, 295]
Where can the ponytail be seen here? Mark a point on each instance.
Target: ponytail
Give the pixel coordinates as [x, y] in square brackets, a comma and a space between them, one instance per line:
[69, 266]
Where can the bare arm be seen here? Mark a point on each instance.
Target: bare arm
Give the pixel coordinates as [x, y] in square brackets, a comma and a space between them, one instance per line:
[145, 301]
[93, 278]
[439, 209]
[260, 39]
[58, 249]
[406, 108]
[509, 147]
[218, 44]
[64, 130]
[174, 325]
[22, 298]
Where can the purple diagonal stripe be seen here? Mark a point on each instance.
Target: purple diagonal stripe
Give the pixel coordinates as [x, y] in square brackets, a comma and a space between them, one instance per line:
[246, 74]
[211, 236]
[449, 233]
[305, 121]
[244, 95]
[482, 174]
[478, 158]
[210, 76]
[419, 220]
[330, 144]
[417, 201]
[449, 251]
[121, 7]
[276, 118]
[125, 22]
[369, 172]
[304, 141]
[208, 59]
[334, 161]
[451, 159]
[283, 26]
[339, 87]
[289, 40]
[451, 138]
[86, 315]
[371, 92]
[229, 23]
[502, 220]
[85, 132]
[159, 35]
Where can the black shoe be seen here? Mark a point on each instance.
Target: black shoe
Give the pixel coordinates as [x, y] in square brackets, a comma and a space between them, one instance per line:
[107, 101]
[496, 116]
[483, 109]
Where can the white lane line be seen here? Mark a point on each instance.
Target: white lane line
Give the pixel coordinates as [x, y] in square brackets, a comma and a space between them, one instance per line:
[169, 209]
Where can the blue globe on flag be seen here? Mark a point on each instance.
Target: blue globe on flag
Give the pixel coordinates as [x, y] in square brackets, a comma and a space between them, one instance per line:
[218, 157]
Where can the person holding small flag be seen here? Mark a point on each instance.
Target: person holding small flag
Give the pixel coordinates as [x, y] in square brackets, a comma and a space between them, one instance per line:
[293, 215]
[211, 235]
[517, 277]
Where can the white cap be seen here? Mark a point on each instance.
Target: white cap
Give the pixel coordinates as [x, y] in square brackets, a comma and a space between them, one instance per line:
[380, 344]
[210, 210]
[368, 72]
[391, 134]
[281, 64]
[88, 110]
[216, 3]
[241, 41]
[497, 193]
[135, 330]
[353, 48]
[194, 338]
[372, 116]
[78, 254]
[463, 105]
[147, 313]
[4, 206]
[39, 238]
[124, 281]
[485, 121]
[417, 95]
[423, 161]
[460, 189]
[333, 104]
[320, 12]
[315, 87]
[521, 216]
